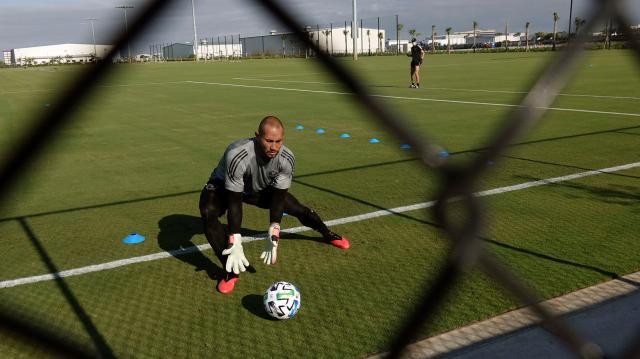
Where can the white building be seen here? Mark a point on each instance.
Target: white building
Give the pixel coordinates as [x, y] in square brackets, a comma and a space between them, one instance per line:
[51, 54]
[335, 40]
[481, 37]
[215, 51]
[405, 45]
[453, 39]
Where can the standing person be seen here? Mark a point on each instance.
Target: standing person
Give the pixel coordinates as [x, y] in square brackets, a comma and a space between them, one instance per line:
[417, 55]
[257, 171]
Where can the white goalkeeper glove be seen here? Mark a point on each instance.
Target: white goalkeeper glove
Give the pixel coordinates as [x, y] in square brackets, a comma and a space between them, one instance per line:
[236, 261]
[270, 253]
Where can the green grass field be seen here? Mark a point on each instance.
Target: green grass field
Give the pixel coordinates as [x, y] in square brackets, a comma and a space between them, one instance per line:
[138, 152]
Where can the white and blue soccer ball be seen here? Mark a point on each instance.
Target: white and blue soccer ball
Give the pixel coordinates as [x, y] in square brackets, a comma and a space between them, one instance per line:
[281, 300]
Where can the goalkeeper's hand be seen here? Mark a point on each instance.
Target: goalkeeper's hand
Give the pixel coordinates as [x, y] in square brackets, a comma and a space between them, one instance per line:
[236, 261]
[270, 253]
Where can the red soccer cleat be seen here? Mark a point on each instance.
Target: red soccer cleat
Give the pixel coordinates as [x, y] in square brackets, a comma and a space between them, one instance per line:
[226, 286]
[337, 240]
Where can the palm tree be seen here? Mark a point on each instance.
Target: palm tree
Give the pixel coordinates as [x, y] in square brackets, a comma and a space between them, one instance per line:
[526, 35]
[518, 34]
[326, 39]
[369, 39]
[506, 36]
[284, 49]
[399, 30]
[311, 36]
[380, 38]
[555, 22]
[433, 40]
[412, 33]
[345, 32]
[448, 30]
[475, 27]
[579, 22]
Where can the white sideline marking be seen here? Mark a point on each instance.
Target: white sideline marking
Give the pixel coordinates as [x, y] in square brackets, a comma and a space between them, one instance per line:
[99, 86]
[416, 98]
[441, 88]
[357, 218]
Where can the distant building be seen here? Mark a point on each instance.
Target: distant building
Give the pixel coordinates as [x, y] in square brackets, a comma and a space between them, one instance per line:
[177, 51]
[403, 46]
[336, 40]
[56, 54]
[7, 57]
[180, 51]
[481, 37]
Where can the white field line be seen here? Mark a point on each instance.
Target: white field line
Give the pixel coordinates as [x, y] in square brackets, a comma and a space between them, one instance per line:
[441, 88]
[415, 98]
[100, 86]
[362, 217]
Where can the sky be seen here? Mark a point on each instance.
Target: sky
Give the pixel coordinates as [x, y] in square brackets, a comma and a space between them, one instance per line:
[25, 23]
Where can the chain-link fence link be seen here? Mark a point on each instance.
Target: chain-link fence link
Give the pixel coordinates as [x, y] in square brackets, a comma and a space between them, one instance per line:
[457, 183]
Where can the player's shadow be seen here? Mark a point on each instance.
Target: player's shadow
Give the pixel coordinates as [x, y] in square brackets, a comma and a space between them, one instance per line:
[178, 230]
[254, 304]
[176, 233]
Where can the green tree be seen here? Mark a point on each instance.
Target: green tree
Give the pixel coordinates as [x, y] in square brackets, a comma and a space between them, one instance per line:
[380, 38]
[448, 30]
[369, 40]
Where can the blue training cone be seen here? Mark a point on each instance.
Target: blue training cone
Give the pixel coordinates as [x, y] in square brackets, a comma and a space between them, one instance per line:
[133, 238]
[320, 131]
[443, 153]
[344, 135]
[374, 140]
[404, 146]
[299, 127]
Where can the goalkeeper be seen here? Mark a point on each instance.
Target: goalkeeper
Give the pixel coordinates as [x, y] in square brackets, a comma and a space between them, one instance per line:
[257, 171]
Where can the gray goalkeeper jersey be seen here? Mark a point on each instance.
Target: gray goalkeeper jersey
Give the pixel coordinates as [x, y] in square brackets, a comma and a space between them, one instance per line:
[242, 170]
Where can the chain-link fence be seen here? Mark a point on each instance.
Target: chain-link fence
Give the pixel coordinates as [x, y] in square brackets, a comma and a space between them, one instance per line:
[458, 183]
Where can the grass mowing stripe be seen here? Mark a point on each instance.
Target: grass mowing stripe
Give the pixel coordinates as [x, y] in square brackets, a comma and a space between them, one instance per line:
[444, 88]
[357, 218]
[416, 98]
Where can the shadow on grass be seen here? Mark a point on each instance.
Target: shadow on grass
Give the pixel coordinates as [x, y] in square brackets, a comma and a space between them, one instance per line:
[543, 256]
[178, 230]
[339, 170]
[253, 303]
[176, 233]
[625, 195]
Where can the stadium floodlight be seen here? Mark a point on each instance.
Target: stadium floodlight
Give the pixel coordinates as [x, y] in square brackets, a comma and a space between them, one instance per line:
[354, 32]
[126, 27]
[195, 33]
[93, 34]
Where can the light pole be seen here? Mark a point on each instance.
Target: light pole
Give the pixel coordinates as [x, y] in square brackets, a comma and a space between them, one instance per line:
[354, 32]
[195, 33]
[126, 27]
[570, 14]
[93, 34]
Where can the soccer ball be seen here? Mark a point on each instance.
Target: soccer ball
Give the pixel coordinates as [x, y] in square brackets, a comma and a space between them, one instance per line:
[281, 300]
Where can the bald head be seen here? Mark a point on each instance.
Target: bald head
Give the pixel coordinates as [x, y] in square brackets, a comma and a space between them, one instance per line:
[269, 136]
[269, 124]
